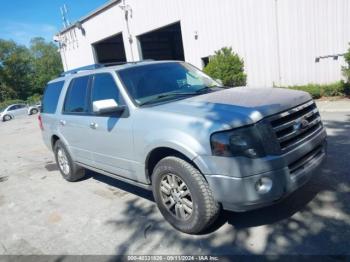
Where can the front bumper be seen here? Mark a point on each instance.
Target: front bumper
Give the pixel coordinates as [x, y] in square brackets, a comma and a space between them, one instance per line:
[236, 190]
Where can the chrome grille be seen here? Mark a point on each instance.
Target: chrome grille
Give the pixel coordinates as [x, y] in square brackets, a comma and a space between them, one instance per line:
[296, 125]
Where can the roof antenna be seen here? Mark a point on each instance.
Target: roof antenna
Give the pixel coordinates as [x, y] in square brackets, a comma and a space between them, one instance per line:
[128, 14]
[64, 14]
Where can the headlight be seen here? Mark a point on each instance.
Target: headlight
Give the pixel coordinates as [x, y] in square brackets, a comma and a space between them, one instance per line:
[239, 142]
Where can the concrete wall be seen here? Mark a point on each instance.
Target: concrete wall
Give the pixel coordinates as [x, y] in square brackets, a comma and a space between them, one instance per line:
[278, 39]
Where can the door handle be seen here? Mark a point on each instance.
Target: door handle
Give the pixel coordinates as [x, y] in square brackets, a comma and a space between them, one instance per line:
[93, 125]
[62, 122]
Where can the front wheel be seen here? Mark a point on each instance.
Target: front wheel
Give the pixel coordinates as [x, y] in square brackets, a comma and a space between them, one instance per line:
[183, 195]
[7, 118]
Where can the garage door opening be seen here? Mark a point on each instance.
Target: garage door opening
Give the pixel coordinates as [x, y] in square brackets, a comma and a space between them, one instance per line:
[110, 50]
[163, 44]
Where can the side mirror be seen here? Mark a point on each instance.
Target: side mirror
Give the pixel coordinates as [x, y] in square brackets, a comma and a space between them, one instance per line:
[219, 81]
[106, 106]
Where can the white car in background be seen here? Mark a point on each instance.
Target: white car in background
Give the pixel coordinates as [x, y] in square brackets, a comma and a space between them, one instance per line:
[16, 110]
[34, 109]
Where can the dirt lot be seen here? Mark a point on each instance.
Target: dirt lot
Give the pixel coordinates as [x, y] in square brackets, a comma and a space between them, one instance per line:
[40, 213]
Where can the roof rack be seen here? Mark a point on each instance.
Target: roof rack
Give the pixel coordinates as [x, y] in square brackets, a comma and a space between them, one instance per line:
[97, 66]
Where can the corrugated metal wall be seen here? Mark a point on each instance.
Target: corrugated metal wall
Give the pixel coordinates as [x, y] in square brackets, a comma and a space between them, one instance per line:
[311, 28]
[278, 39]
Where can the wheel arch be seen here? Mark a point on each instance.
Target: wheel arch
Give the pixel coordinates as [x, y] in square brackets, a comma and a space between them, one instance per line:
[54, 139]
[8, 114]
[158, 153]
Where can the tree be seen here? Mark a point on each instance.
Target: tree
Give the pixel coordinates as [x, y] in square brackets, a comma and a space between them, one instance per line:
[25, 71]
[228, 67]
[46, 63]
[346, 69]
[6, 93]
[15, 70]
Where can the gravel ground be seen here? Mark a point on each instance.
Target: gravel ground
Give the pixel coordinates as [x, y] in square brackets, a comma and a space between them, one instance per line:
[40, 213]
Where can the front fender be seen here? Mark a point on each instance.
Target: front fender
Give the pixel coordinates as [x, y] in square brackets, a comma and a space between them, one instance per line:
[176, 140]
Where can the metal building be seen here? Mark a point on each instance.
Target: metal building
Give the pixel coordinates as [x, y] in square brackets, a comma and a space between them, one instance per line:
[280, 41]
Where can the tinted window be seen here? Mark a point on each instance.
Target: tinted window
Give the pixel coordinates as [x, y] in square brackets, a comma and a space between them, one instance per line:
[12, 108]
[146, 82]
[51, 95]
[104, 87]
[76, 99]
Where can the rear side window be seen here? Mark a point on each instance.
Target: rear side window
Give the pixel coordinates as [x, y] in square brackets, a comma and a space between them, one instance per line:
[76, 99]
[51, 96]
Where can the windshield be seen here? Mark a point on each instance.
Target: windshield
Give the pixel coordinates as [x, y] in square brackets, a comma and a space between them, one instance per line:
[164, 81]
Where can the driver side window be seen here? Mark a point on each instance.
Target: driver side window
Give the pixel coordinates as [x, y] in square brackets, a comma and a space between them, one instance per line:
[104, 87]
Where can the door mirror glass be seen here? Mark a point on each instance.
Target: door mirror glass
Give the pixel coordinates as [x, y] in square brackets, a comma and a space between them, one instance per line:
[106, 106]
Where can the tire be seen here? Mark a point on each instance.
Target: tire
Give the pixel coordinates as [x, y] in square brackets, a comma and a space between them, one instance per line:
[69, 170]
[33, 111]
[205, 209]
[6, 118]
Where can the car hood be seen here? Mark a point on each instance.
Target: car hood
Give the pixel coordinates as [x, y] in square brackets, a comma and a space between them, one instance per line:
[237, 106]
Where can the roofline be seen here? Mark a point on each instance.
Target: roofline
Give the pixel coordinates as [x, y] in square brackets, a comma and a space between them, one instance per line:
[97, 11]
[82, 72]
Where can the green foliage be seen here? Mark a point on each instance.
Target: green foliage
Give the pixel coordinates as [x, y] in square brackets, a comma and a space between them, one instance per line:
[25, 71]
[15, 69]
[313, 90]
[346, 69]
[36, 98]
[6, 93]
[316, 91]
[46, 63]
[334, 89]
[6, 103]
[346, 88]
[227, 66]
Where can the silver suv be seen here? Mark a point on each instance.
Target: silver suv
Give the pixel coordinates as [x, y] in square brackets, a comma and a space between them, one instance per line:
[168, 127]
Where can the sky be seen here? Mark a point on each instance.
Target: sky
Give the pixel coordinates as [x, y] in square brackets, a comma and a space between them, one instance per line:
[21, 20]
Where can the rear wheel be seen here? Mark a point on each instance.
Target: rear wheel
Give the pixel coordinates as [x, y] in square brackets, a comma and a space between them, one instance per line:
[183, 195]
[7, 118]
[69, 170]
[33, 111]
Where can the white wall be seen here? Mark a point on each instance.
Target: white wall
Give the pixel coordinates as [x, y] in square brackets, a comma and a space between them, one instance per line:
[278, 39]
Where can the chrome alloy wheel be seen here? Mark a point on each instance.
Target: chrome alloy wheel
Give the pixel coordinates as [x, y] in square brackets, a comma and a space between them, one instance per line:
[63, 161]
[176, 196]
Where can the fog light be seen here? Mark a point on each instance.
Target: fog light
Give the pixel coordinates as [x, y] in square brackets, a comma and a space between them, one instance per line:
[263, 185]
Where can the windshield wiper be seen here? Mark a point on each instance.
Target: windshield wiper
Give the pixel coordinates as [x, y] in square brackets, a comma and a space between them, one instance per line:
[206, 88]
[199, 91]
[167, 95]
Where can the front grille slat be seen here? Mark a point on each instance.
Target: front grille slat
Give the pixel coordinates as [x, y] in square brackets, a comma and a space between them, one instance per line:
[292, 122]
[293, 126]
[291, 111]
[298, 132]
